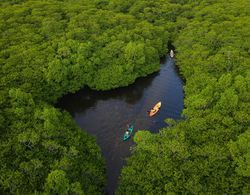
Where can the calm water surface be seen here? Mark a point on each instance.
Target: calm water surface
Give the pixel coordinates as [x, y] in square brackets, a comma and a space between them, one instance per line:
[105, 114]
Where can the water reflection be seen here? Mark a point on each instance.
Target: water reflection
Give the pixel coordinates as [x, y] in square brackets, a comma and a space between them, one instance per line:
[86, 98]
[105, 114]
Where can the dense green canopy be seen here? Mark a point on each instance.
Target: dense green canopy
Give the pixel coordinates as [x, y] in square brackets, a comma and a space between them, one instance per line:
[59, 47]
[50, 48]
[53, 47]
[44, 151]
[209, 152]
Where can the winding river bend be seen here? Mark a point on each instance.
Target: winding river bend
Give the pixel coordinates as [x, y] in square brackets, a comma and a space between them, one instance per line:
[105, 114]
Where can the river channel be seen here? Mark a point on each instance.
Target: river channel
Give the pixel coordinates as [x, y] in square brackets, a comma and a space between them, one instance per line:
[106, 114]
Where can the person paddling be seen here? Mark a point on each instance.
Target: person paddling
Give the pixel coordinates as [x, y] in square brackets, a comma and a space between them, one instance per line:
[127, 131]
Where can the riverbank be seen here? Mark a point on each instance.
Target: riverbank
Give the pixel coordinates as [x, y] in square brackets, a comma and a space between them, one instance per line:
[105, 114]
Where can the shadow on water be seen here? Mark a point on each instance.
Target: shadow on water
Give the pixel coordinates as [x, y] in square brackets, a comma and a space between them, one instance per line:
[87, 98]
[105, 114]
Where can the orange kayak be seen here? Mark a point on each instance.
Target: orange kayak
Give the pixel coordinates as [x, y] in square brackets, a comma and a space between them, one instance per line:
[155, 109]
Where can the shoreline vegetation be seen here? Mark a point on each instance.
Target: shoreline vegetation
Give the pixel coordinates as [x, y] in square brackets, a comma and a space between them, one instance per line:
[208, 152]
[51, 48]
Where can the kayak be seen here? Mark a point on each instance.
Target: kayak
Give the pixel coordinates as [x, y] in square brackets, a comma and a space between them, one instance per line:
[171, 53]
[126, 136]
[155, 109]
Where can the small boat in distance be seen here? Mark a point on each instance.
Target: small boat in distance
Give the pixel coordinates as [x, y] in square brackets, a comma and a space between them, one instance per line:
[128, 132]
[171, 53]
[155, 109]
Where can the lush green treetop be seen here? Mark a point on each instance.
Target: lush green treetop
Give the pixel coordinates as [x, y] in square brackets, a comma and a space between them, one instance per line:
[209, 151]
[53, 47]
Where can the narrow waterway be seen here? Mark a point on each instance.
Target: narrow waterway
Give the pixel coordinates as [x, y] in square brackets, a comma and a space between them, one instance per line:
[105, 114]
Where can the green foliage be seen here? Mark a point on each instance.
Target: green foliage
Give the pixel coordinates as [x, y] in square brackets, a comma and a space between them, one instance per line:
[57, 183]
[208, 153]
[59, 47]
[49, 48]
[46, 152]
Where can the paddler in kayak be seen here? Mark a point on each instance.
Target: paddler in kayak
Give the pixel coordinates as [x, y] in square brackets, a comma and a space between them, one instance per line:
[128, 132]
[155, 109]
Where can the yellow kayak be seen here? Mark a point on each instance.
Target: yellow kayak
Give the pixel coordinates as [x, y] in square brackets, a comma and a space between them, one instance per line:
[155, 109]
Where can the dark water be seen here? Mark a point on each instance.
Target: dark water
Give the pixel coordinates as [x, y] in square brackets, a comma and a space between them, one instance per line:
[105, 114]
